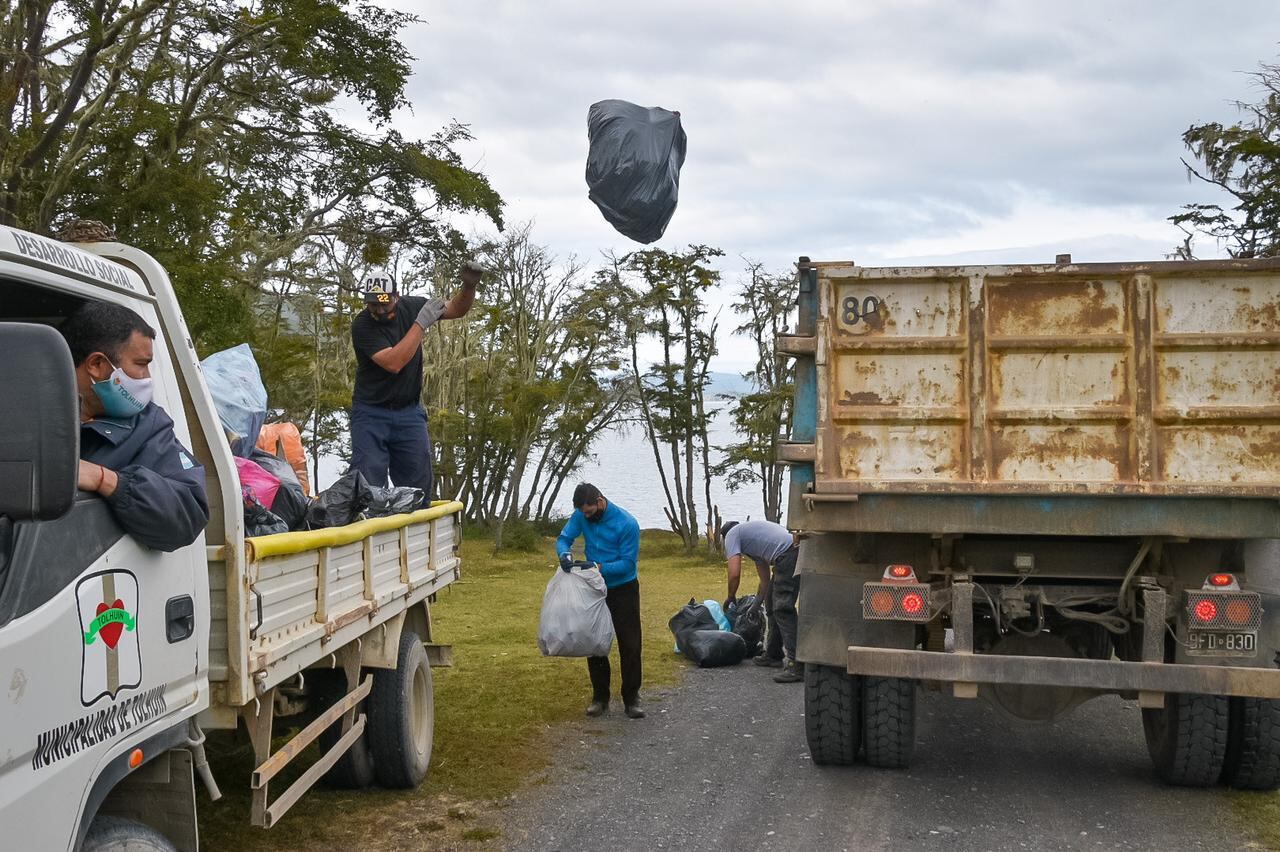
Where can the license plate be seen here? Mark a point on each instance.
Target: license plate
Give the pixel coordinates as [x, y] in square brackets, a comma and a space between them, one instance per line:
[1207, 643]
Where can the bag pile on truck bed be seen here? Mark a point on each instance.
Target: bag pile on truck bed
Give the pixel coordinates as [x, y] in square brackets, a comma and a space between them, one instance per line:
[271, 461]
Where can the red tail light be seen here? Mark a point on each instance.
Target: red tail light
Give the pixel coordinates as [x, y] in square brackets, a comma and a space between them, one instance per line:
[1239, 612]
[902, 573]
[882, 603]
[1221, 580]
[1205, 610]
[895, 600]
[1224, 609]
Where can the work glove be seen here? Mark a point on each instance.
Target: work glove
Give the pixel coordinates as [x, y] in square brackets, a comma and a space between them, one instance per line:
[566, 562]
[430, 313]
[472, 271]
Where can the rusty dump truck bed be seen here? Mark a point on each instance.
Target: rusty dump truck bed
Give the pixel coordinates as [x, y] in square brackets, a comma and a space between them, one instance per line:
[1074, 380]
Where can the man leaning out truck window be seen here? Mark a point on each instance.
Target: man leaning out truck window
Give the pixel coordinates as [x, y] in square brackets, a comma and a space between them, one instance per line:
[128, 451]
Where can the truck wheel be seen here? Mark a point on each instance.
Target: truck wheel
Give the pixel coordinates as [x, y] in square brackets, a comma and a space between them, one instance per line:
[117, 834]
[402, 717]
[354, 770]
[1187, 738]
[1253, 745]
[831, 709]
[888, 721]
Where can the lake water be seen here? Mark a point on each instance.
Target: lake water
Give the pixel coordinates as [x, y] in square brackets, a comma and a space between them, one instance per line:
[625, 471]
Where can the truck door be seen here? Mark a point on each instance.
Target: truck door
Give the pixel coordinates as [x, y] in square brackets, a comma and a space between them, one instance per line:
[99, 640]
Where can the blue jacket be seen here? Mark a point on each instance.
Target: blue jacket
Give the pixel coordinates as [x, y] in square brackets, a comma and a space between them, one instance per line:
[613, 541]
[160, 500]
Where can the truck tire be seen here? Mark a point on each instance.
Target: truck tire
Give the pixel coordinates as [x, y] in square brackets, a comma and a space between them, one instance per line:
[831, 711]
[354, 770]
[117, 834]
[1187, 738]
[402, 717]
[888, 721]
[1253, 745]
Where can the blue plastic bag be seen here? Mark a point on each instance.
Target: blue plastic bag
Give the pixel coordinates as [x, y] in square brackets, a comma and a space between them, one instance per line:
[238, 394]
[717, 612]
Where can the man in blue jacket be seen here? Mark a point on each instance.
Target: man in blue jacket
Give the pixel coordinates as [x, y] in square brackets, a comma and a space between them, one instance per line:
[128, 450]
[613, 543]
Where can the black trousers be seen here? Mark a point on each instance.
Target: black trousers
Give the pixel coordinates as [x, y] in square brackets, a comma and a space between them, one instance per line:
[784, 588]
[624, 609]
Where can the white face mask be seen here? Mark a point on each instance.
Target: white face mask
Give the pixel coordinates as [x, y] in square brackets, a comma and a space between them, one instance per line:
[122, 395]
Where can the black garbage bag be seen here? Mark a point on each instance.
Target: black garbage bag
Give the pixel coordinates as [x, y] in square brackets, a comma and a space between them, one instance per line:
[259, 520]
[392, 501]
[340, 503]
[633, 166]
[710, 648]
[692, 616]
[290, 504]
[746, 618]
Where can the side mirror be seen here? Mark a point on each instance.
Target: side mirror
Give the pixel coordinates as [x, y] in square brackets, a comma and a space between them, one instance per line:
[39, 423]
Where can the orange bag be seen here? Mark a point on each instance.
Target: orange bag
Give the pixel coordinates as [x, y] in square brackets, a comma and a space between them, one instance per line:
[285, 441]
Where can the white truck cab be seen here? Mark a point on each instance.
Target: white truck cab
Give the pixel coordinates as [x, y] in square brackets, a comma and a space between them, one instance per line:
[106, 668]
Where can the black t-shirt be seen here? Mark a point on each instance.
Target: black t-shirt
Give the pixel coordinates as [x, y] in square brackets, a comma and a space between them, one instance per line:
[374, 385]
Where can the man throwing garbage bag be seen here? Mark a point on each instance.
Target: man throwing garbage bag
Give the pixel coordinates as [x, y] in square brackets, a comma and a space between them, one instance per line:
[388, 424]
[612, 542]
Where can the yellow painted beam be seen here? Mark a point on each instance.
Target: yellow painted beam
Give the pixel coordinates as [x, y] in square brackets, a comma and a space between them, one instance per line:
[284, 544]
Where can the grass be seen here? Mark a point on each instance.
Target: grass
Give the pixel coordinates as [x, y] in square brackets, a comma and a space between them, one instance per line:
[1259, 813]
[496, 708]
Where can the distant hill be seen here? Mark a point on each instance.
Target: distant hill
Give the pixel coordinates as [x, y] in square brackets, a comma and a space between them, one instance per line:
[729, 384]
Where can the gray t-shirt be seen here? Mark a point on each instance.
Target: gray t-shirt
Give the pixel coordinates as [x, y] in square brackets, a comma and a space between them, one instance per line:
[763, 541]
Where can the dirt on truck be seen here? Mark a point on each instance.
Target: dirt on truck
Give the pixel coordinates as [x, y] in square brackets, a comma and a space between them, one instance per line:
[1036, 485]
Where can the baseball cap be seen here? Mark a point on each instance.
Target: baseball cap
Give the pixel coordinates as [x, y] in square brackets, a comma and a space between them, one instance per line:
[378, 287]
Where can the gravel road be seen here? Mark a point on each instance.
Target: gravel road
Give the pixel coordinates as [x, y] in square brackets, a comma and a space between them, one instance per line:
[721, 764]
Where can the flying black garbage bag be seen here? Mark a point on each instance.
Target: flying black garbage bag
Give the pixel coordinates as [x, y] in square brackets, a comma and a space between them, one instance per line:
[633, 166]
[711, 648]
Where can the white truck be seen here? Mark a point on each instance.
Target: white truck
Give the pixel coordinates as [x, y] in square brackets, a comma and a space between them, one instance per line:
[114, 659]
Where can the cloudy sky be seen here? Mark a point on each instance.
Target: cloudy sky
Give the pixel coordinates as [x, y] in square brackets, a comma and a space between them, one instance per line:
[902, 132]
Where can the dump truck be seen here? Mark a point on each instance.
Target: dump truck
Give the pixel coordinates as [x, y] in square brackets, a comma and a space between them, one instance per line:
[117, 659]
[1038, 484]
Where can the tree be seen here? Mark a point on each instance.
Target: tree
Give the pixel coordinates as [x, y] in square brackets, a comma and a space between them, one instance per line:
[204, 132]
[1243, 160]
[667, 304]
[760, 417]
[519, 389]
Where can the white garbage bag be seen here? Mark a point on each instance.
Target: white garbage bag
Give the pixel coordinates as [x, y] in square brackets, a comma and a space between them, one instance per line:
[575, 618]
[238, 395]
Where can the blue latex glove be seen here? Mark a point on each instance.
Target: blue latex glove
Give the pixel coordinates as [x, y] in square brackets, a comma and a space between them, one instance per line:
[566, 562]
